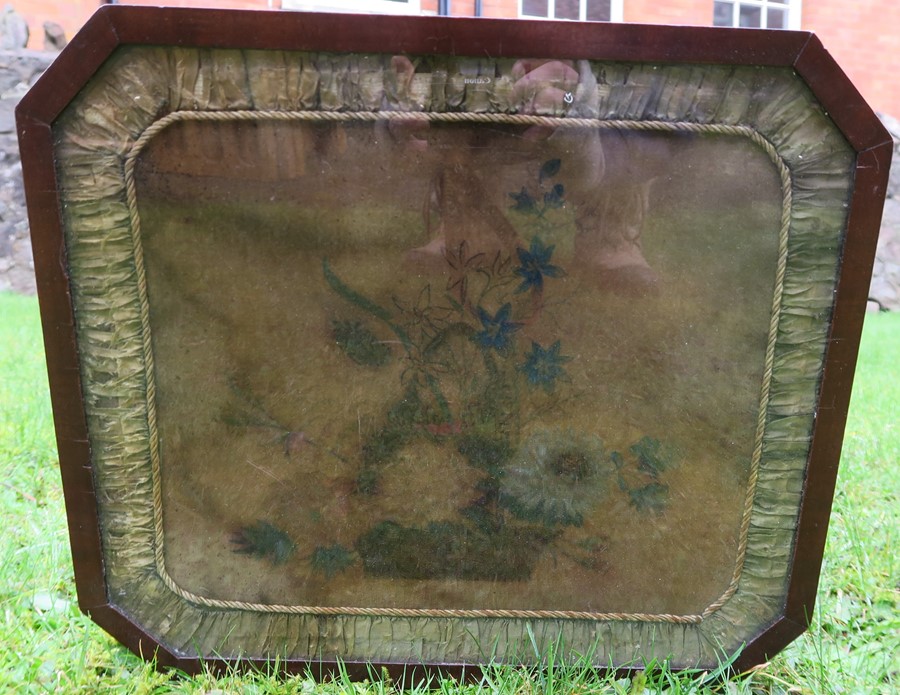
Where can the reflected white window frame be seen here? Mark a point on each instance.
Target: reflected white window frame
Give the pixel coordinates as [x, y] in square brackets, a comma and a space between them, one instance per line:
[792, 7]
[616, 12]
[355, 6]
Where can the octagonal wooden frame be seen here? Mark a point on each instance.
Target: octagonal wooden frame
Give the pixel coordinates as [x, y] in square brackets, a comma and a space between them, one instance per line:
[115, 27]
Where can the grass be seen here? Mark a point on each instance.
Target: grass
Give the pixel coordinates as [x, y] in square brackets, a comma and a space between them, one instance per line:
[46, 645]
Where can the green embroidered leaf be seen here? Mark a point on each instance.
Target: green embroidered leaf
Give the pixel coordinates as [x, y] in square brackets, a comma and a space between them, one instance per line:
[653, 456]
[652, 497]
[363, 303]
[263, 540]
[360, 344]
[331, 559]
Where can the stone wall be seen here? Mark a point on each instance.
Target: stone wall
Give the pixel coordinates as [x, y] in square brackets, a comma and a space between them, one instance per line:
[19, 69]
[884, 292]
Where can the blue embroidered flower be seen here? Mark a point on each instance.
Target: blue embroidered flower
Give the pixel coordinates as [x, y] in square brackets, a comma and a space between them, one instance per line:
[544, 366]
[535, 264]
[497, 330]
[524, 202]
[554, 197]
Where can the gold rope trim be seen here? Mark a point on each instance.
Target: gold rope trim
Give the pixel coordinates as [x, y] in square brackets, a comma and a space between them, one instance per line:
[511, 119]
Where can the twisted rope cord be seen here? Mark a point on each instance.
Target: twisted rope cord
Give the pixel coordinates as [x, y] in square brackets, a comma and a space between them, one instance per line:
[507, 119]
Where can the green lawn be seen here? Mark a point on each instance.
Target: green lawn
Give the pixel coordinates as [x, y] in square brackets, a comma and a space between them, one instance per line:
[46, 645]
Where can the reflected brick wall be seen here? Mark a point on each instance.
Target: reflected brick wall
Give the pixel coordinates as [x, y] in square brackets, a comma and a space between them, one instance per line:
[863, 36]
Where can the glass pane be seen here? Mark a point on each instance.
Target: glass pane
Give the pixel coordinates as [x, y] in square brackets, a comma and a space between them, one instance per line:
[598, 11]
[776, 19]
[534, 8]
[723, 13]
[567, 9]
[750, 17]
[314, 378]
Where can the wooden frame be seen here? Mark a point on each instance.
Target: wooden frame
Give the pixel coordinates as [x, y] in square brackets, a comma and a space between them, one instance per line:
[821, 143]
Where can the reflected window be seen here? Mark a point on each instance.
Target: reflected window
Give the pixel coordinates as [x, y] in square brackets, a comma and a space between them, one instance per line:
[360, 6]
[757, 14]
[577, 10]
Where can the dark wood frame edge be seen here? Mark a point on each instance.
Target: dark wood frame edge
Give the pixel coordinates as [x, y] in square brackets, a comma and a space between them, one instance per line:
[849, 307]
[114, 26]
[874, 148]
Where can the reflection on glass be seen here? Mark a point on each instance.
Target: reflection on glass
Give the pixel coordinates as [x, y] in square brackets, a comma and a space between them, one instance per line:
[534, 8]
[776, 18]
[598, 11]
[750, 17]
[567, 9]
[723, 14]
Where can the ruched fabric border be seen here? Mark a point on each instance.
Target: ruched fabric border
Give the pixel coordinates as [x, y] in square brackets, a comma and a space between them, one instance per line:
[137, 90]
